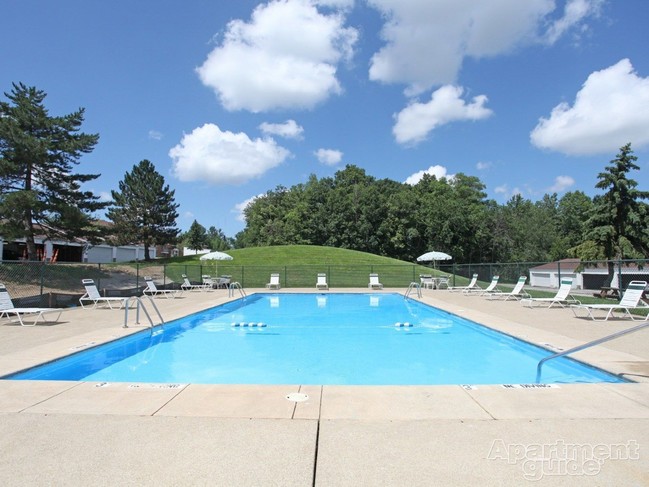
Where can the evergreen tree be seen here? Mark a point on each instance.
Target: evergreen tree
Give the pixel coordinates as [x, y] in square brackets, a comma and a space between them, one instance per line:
[144, 208]
[38, 191]
[619, 226]
[196, 237]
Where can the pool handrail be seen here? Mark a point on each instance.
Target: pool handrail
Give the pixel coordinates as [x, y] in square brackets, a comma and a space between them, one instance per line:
[415, 286]
[139, 303]
[588, 345]
[232, 287]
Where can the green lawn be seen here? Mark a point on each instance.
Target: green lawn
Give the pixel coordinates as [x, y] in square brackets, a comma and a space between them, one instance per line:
[298, 266]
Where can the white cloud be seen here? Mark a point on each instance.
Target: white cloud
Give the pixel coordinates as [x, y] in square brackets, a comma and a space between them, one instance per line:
[438, 171]
[426, 41]
[285, 57]
[289, 129]
[339, 4]
[561, 183]
[155, 135]
[506, 192]
[239, 208]
[611, 109]
[483, 166]
[575, 12]
[211, 155]
[415, 121]
[329, 157]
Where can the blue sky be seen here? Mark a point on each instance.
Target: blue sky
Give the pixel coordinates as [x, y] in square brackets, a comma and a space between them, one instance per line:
[232, 98]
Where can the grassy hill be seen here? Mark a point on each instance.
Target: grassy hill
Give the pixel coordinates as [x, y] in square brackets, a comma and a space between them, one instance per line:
[298, 266]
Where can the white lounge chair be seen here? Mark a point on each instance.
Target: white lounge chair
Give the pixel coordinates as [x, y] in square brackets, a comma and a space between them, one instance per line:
[374, 282]
[153, 291]
[472, 285]
[92, 296]
[562, 298]
[631, 299]
[7, 309]
[188, 286]
[274, 282]
[322, 282]
[516, 293]
[491, 288]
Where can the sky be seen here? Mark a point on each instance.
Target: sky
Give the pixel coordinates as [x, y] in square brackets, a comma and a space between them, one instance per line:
[231, 98]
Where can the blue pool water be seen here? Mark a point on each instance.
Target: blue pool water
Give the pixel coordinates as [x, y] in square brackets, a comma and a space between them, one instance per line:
[319, 339]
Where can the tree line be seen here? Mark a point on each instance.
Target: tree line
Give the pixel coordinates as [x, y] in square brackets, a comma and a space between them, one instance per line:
[40, 193]
[357, 211]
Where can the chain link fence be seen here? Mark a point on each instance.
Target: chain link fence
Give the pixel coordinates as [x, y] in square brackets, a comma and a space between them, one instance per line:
[59, 285]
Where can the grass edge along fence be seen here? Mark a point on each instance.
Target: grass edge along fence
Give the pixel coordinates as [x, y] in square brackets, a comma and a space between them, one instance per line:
[59, 285]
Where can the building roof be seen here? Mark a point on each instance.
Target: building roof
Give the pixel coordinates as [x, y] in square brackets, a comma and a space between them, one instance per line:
[568, 265]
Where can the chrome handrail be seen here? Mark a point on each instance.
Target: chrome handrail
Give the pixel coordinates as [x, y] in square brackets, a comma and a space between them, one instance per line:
[139, 304]
[234, 286]
[588, 345]
[413, 285]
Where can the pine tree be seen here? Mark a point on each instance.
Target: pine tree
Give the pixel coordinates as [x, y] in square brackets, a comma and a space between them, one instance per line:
[38, 191]
[144, 209]
[196, 237]
[619, 225]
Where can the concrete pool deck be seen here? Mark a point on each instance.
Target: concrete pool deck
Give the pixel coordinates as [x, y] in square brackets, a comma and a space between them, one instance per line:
[68, 433]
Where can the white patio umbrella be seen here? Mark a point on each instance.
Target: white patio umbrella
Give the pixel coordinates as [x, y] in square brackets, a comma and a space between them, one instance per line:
[433, 256]
[216, 255]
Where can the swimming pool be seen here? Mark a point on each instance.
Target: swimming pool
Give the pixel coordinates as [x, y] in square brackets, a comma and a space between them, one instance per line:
[318, 339]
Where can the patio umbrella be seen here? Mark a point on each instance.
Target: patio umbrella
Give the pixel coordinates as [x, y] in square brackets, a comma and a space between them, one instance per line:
[216, 255]
[433, 256]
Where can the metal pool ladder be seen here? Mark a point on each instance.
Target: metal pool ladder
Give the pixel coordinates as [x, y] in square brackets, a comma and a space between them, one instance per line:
[588, 345]
[234, 286]
[140, 304]
[413, 286]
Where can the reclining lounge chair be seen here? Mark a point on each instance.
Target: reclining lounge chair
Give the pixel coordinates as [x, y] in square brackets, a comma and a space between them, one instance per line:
[92, 296]
[274, 282]
[7, 309]
[322, 282]
[562, 298]
[153, 291]
[472, 285]
[631, 299]
[516, 293]
[374, 282]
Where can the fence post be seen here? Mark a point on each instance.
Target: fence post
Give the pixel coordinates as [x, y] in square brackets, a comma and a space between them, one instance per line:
[99, 276]
[559, 272]
[242, 279]
[620, 282]
[42, 281]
